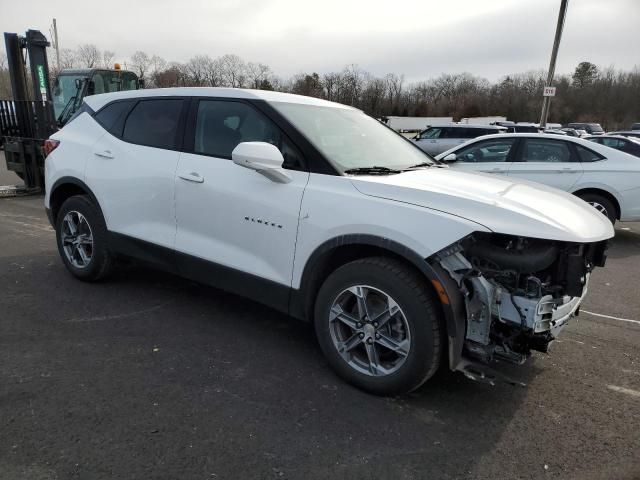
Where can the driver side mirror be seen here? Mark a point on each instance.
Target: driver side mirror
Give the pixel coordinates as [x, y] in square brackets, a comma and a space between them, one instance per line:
[452, 157]
[262, 157]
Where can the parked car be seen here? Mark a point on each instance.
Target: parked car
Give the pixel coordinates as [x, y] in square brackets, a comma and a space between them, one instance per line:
[438, 138]
[627, 133]
[624, 144]
[555, 131]
[603, 177]
[635, 126]
[589, 128]
[522, 128]
[320, 211]
[572, 132]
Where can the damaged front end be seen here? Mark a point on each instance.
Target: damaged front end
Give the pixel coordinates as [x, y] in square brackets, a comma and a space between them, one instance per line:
[518, 293]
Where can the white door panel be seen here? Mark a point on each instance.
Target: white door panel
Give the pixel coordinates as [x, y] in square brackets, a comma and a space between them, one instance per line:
[236, 217]
[485, 167]
[561, 175]
[134, 186]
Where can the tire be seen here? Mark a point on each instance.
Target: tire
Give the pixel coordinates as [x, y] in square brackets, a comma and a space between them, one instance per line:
[415, 327]
[602, 204]
[90, 239]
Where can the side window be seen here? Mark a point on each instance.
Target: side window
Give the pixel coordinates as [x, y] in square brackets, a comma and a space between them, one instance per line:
[487, 151]
[587, 155]
[544, 150]
[431, 133]
[153, 123]
[449, 133]
[613, 142]
[222, 125]
[113, 115]
[469, 132]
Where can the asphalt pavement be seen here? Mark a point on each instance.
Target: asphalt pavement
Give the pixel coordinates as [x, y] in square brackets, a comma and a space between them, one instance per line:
[149, 376]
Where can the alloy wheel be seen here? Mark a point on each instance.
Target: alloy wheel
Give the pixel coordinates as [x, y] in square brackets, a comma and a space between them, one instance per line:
[77, 239]
[600, 208]
[369, 330]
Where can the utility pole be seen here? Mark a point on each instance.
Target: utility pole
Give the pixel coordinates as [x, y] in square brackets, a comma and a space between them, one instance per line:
[546, 102]
[56, 45]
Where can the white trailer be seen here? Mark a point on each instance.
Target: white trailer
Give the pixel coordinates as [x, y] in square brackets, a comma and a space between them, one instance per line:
[483, 120]
[414, 124]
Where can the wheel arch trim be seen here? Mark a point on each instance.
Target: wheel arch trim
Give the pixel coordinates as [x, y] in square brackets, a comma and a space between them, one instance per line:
[68, 180]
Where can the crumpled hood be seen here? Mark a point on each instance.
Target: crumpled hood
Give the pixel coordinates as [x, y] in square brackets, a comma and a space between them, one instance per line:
[502, 205]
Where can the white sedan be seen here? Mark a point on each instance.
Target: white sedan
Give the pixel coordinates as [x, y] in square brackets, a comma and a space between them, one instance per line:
[606, 178]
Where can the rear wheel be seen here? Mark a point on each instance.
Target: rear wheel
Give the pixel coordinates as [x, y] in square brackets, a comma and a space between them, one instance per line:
[81, 235]
[602, 204]
[379, 326]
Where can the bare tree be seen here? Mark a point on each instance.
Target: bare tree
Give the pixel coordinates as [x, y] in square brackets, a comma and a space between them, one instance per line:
[258, 74]
[68, 58]
[107, 58]
[140, 62]
[88, 55]
[234, 71]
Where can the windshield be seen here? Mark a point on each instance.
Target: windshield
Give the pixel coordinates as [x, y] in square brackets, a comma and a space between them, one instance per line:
[595, 127]
[63, 89]
[350, 139]
[106, 81]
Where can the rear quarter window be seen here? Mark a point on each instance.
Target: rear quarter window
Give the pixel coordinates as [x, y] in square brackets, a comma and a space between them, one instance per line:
[587, 155]
[112, 116]
[154, 123]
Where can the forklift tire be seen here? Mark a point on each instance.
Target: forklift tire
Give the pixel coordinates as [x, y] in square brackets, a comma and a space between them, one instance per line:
[81, 236]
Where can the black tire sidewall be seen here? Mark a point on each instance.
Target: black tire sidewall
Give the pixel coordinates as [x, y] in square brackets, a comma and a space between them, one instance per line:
[101, 258]
[423, 353]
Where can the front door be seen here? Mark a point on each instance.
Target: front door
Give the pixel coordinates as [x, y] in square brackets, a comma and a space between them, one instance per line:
[240, 223]
[488, 156]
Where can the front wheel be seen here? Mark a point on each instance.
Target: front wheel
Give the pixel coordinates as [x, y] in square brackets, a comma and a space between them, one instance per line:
[379, 326]
[602, 204]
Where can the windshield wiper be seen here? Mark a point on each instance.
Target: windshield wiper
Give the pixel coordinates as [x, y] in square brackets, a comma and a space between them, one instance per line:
[420, 165]
[372, 170]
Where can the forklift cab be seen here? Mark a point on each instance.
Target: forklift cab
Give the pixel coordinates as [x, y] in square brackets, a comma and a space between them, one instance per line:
[72, 85]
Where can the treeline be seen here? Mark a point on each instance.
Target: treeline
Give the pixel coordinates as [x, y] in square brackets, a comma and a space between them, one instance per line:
[590, 94]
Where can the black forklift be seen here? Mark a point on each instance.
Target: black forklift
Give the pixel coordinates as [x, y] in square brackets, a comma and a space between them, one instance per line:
[35, 113]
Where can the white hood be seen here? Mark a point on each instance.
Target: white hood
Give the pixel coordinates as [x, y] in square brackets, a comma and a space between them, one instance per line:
[503, 205]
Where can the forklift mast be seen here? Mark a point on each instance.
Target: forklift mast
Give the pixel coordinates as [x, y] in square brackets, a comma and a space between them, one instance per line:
[28, 119]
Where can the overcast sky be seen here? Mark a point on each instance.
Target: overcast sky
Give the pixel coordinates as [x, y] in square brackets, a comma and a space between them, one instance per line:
[421, 38]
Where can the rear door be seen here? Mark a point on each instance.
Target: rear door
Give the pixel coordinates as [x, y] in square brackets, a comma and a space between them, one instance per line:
[133, 166]
[242, 224]
[548, 161]
[489, 156]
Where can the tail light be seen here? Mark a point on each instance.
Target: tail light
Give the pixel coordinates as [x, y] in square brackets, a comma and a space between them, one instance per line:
[49, 146]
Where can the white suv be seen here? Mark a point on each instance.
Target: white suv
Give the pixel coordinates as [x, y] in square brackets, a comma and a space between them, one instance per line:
[321, 212]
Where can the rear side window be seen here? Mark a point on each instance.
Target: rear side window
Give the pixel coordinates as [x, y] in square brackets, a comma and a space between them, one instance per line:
[587, 155]
[113, 115]
[544, 150]
[154, 123]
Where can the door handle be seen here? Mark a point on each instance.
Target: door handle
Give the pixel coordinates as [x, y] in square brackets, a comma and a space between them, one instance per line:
[566, 170]
[192, 177]
[104, 154]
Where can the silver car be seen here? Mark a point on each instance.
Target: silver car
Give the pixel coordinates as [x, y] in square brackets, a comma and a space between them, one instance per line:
[438, 138]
